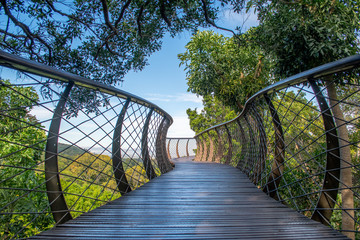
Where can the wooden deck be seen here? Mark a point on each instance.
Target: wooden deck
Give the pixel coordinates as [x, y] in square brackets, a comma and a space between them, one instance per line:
[194, 201]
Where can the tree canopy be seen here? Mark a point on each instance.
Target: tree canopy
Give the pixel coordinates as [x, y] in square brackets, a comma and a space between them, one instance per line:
[214, 113]
[232, 69]
[101, 39]
[303, 34]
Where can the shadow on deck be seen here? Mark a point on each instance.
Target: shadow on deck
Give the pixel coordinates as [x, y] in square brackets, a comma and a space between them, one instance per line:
[194, 201]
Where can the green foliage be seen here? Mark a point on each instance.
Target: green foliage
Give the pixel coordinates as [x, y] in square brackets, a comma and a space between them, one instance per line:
[87, 180]
[101, 40]
[69, 150]
[18, 130]
[304, 34]
[230, 69]
[214, 113]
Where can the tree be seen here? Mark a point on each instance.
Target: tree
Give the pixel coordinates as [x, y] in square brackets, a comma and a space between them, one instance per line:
[101, 39]
[304, 34]
[231, 69]
[21, 186]
[214, 113]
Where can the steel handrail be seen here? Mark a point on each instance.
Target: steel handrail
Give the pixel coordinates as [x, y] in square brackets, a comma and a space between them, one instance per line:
[317, 72]
[19, 63]
[296, 140]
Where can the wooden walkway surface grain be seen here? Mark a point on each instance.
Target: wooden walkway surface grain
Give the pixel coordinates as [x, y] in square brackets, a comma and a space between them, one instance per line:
[194, 201]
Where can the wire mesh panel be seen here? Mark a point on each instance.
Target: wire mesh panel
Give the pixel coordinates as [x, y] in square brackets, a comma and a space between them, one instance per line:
[298, 141]
[180, 147]
[69, 145]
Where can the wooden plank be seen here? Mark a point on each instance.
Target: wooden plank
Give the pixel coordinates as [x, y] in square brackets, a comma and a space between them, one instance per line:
[194, 201]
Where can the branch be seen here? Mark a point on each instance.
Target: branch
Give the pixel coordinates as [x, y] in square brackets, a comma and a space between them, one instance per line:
[287, 2]
[26, 30]
[51, 5]
[7, 28]
[138, 19]
[208, 20]
[106, 44]
[11, 34]
[16, 22]
[106, 15]
[162, 13]
[122, 12]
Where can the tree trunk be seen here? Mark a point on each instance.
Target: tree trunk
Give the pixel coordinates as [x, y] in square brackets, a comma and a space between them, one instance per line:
[347, 195]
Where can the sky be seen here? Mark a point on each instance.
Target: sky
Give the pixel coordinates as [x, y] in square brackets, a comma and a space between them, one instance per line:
[163, 81]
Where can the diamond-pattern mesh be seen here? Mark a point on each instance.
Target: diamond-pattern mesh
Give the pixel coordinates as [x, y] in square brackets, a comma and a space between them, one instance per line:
[59, 161]
[181, 147]
[289, 142]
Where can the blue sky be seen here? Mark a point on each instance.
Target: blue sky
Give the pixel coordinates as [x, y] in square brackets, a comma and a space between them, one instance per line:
[163, 82]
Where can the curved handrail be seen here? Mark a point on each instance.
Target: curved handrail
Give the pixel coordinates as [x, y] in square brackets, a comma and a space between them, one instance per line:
[292, 141]
[19, 63]
[184, 147]
[61, 156]
[317, 72]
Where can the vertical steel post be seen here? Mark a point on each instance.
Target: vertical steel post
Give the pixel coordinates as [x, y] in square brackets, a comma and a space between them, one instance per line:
[327, 199]
[166, 128]
[150, 172]
[204, 153]
[243, 141]
[54, 191]
[118, 168]
[211, 148]
[279, 154]
[201, 150]
[168, 149]
[229, 153]
[219, 147]
[161, 155]
[177, 148]
[251, 147]
[262, 146]
[187, 147]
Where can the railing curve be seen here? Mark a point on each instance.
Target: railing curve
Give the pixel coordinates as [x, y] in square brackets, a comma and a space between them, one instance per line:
[180, 147]
[289, 142]
[69, 144]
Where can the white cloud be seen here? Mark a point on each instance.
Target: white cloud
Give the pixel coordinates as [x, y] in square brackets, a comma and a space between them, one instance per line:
[181, 97]
[188, 97]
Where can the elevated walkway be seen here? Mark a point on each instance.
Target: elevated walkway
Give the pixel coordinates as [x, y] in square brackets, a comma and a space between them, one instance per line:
[194, 201]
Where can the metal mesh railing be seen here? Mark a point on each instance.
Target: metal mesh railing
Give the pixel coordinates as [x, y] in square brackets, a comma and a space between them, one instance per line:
[180, 147]
[69, 145]
[298, 141]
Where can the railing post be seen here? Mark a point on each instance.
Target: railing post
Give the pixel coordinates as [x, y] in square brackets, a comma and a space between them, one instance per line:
[177, 148]
[197, 149]
[168, 149]
[187, 148]
[229, 153]
[54, 191]
[323, 211]
[161, 154]
[150, 172]
[279, 155]
[251, 146]
[167, 162]
[118, 168]
[204, 152]
[219, 147]
[243, 141]
[211, 148]
[262, 145]
[201, 152]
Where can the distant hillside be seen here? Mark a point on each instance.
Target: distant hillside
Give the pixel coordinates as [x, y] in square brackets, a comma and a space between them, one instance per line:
[70, 150]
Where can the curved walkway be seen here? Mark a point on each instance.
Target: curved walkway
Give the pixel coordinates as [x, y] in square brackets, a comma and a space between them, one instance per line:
[194, 201]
